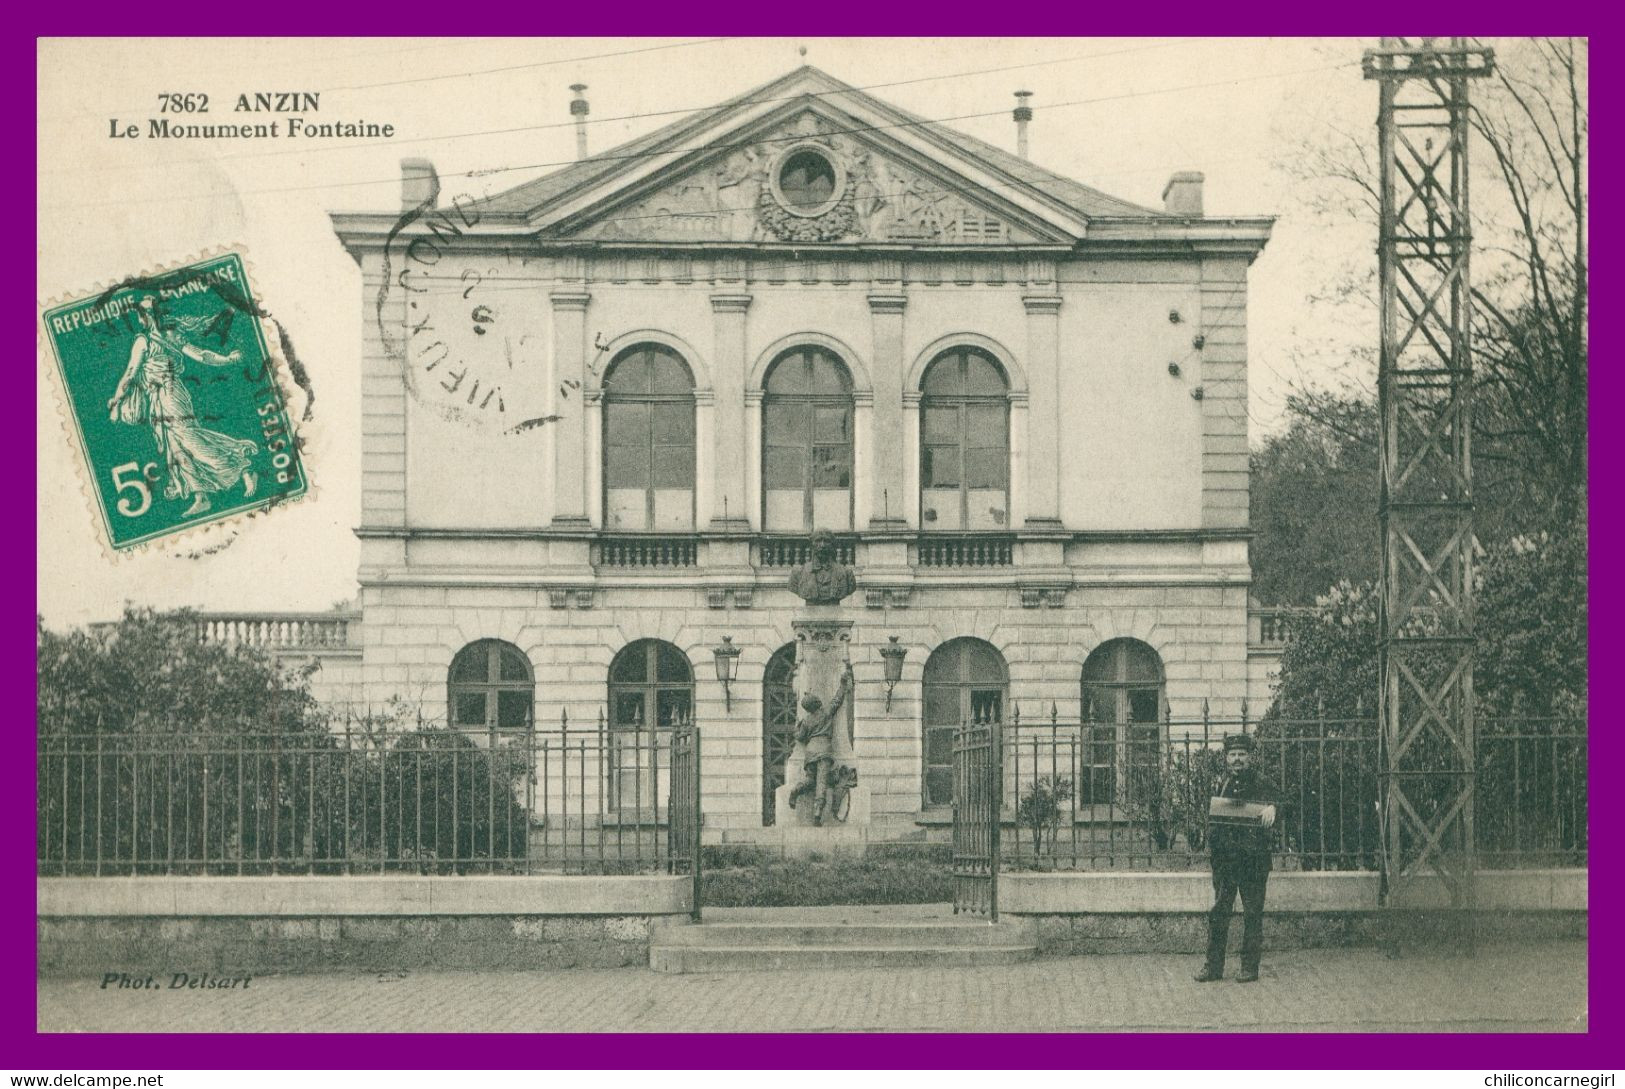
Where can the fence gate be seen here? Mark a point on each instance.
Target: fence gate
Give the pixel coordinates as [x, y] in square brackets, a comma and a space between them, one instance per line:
[683, 809]
[978, 799]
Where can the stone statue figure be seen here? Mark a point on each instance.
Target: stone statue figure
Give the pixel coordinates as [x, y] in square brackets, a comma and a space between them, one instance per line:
[816, 735]
[823, 580]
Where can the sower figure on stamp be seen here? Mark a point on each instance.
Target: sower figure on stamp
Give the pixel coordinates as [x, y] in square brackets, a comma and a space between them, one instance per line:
[816, 733]
[1239, 843]
[197, 461]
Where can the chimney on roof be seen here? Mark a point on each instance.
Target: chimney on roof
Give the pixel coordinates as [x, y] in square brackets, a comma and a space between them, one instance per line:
[1182, 196]
[420, 185]
[1023, 114]
[578, 110]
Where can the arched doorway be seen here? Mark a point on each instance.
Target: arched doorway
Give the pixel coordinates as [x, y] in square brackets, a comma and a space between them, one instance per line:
[651, 690]
[1122, 709]
[965, 681]
[778, 723]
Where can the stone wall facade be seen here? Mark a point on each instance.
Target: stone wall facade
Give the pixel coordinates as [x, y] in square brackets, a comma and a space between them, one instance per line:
[1117, 335]
[1199, 631]
[1127, 489]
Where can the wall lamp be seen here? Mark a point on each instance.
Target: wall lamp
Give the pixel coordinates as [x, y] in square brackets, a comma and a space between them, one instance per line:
[727, 659]
[893, 654]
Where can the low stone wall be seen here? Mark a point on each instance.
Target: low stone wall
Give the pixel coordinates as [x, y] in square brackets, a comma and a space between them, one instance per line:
[1104, 912]
[169, 932]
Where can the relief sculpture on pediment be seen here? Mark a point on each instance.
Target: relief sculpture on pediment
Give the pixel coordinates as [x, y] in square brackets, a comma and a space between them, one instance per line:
[807, 185]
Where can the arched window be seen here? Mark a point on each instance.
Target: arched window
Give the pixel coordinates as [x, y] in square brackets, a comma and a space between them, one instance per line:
[964, 443]
[778, 723]
[965, 681]
[807, 443]
[648, 441]
[490, 687]
[651, 689]
[1122, 711]
[651, 685]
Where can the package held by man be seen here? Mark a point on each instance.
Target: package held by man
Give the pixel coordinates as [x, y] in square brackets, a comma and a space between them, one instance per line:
[1235, 811]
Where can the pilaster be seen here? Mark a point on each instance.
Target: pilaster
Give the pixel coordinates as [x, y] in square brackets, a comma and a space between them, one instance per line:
[888, 492]
[1223, 329]
[729, 505]
[1043, 483]
[569, 401]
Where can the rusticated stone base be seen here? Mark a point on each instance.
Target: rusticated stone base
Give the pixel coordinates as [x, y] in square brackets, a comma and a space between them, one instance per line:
[1186, 932]
[226, 946]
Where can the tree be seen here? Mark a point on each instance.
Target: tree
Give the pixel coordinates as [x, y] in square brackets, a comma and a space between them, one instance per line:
[1531, 639]
[1530, 684]
[1530, 278]
[1532, 613]
[1314, 500]
[1531, 294]
[1329, 663]
[161, 753]
[158, 751]
[1315, 492]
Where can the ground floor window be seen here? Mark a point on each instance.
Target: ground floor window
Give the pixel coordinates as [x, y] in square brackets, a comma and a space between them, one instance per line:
[651, 690]
[1122, 713]
[490, 686]
[778, 724]
[965, 682]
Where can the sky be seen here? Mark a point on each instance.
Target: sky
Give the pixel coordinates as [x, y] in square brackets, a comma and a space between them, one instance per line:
[1118, 114]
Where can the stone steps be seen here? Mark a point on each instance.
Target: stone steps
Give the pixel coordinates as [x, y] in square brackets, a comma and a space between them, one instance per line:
[766, 940]
[871, 935]
[679, 959]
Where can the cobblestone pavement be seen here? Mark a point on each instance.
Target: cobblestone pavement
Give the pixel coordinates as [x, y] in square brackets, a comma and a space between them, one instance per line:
[1537, 988]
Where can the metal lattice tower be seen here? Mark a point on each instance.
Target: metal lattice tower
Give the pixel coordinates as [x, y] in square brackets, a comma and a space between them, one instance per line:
[1425, 400]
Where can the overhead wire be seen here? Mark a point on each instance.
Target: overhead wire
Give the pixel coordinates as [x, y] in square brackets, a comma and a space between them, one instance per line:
[673, 153]
[533, 64]
[476, 71]
[698, 111]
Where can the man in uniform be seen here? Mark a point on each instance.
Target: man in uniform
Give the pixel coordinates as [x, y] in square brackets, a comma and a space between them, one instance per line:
[1241, 862]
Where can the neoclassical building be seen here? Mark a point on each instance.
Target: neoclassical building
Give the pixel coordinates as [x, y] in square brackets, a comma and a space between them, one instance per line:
[603, 410]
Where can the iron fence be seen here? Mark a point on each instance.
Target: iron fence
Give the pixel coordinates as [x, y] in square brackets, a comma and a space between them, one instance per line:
[426, 800]
[1085, 795]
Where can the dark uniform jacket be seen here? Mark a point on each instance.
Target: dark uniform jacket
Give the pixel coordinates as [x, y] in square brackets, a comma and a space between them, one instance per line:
[1229, 842]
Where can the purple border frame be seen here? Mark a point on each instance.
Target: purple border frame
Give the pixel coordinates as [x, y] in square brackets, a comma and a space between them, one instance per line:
[24, 1047]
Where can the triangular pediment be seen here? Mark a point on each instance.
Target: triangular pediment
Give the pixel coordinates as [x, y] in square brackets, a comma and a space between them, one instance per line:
[806, 160]
[747, 192]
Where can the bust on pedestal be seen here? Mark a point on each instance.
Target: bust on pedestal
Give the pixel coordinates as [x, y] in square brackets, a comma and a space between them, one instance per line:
[823, 580]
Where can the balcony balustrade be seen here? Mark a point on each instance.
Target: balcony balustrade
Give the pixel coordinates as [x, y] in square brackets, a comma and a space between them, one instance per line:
[658, 551]
[969, 550]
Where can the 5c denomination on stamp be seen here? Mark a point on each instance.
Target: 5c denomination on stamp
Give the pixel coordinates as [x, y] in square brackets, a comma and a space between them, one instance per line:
[174, 399]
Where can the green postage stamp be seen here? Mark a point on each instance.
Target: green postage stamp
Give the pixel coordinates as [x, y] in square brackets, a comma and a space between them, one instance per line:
[175, 402]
